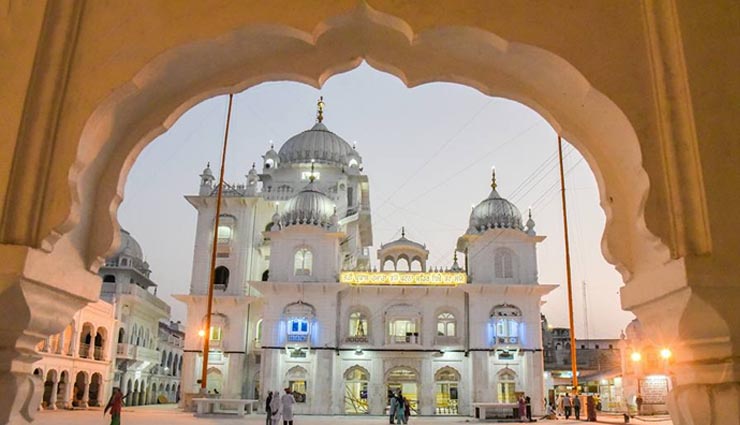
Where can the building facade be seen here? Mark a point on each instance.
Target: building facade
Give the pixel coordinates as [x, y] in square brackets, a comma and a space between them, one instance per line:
[148, 345]
[297, 303]
[75, 364]
[598, 366]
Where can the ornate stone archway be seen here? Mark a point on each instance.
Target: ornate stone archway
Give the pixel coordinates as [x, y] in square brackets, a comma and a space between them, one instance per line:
[94, 102]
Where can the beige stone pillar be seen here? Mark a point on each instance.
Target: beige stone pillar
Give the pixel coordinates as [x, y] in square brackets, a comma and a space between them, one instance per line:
[53, 396]
[84, 403]
[39, 308]
[701, 327]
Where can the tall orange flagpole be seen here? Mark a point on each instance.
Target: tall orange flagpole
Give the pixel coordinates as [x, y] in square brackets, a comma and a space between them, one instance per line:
[207, 336]
[573, 365]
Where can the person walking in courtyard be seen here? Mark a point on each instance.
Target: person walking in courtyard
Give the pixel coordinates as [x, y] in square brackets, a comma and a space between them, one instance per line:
[398, 408]
[577, 406]
[393, 408]
[528, 402]
[559, 406]
[114, 405]
[268, 408]
[286, 402]
[406, 410]
[567, 405]
[275, 408]
[590, 409]
[522, 407]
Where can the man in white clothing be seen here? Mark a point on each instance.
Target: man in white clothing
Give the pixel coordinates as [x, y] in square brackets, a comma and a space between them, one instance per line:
[275, 408]
[286, 403]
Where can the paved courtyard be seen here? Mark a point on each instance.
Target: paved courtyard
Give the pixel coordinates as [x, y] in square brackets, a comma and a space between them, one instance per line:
[170, 415]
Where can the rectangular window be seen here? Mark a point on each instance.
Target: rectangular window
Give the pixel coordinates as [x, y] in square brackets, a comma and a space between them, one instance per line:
[215, 333]
[307, 175]
[298, 330]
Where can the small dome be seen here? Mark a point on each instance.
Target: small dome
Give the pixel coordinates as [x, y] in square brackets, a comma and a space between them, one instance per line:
[317, 144]
[494, 212]
[207, 171]
[129, 247]
[309, 206]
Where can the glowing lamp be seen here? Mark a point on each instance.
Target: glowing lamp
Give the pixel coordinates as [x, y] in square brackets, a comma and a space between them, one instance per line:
[635, 356]
[665, 353]
[201, 333]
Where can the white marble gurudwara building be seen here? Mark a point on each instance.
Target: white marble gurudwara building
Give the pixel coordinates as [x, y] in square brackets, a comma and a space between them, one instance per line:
[298, 305]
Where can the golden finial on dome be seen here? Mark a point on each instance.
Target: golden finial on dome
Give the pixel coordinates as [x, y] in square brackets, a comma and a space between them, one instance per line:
[320, 109]
[493, 178]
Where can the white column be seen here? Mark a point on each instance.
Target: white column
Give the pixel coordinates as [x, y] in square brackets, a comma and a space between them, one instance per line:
[85, 395]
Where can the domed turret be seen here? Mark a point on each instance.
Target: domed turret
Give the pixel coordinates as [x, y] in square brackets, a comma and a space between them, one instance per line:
[206, 181]
[403, 249]
[129, 254]
[494, 212]
[309, 206]
[272, 158]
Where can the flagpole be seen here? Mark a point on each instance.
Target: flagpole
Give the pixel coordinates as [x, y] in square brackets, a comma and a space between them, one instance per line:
[573, 364]
[214, 248]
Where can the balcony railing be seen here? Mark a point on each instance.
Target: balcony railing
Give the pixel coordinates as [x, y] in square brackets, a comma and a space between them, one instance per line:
[98, 353]
[505, 340]
[357, 339]
[85, 351]
[409, 338]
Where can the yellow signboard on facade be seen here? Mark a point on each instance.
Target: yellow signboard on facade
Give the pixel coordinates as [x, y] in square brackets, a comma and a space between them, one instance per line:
[404, 278]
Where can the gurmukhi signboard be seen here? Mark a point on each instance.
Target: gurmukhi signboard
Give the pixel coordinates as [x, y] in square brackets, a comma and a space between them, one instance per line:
[404, 278]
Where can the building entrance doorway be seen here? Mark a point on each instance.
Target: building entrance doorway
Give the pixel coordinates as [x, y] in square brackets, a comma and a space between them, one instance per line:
[406, 381]
[355, 391]
[447, 382]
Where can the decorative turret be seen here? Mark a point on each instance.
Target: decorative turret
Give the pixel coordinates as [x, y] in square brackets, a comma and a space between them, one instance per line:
[206, 181]
[271, 158]
[530, 224]
[252, 179]
[403, 249]
[310, 206]
[494, 212]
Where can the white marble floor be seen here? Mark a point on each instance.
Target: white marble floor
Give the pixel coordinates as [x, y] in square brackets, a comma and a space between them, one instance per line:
[170, 415]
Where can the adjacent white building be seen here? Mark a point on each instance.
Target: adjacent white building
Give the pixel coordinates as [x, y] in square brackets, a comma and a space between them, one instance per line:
[75, 364]
[148, 357]
[297, 303]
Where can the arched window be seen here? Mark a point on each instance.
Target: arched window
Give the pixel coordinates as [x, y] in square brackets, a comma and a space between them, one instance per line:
[358, 325]
[121, 336]
[303, 262]
[506, 386]
[258, 332]
[221, 278]
[416, 265]
[296, 378]
[388, 265]
[503, 263]
[402, 264]
[506, 320]
[298, 317]
[109, 278]
[225, 232]
[356, 381]
[446, 325]
[446, 380]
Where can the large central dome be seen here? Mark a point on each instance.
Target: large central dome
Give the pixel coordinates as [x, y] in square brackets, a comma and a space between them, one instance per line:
[317, 144]
[494, 212]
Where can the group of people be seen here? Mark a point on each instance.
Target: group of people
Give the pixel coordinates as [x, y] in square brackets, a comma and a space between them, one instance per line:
[567, 405]
[277, 406]
[525, 408]
[400, 409]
